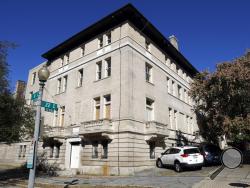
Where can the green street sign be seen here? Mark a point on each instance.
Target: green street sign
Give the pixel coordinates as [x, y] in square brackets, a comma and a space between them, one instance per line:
[35, 95]
[49, 106]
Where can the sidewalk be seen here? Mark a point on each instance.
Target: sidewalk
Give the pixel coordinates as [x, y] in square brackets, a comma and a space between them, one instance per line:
[239, 177]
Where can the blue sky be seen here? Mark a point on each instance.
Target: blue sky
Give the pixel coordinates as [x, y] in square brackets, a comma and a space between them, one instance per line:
[209, 31]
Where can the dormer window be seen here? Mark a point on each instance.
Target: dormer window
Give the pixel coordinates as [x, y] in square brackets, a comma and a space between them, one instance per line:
[66, 58]
[82, 50]
[147, 45]
[100, 42]
[108, 38]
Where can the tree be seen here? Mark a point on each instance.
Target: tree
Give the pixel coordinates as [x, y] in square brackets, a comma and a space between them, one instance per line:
[16, 119]
[222, 101]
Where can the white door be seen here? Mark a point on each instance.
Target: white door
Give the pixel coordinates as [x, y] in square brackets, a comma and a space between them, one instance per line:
[75, 156]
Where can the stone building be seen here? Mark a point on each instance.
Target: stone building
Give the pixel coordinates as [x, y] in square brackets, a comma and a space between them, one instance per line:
[20, 90]
[122, 93]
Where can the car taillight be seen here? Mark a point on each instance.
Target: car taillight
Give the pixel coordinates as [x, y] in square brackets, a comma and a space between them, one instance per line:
[184, 155]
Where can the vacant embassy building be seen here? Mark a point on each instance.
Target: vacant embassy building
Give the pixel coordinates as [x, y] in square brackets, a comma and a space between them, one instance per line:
[122, 94]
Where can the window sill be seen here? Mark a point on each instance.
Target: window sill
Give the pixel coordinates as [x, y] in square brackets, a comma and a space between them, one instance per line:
[77, 87]
[179, 99]
[150, 83]
[102, 79]
[60, 93]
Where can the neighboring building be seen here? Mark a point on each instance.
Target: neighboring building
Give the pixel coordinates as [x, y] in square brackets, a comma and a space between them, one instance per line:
[20, 90]
[15, 153]
[122, 90]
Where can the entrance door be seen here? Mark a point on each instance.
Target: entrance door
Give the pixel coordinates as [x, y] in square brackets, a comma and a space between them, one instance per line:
[75, 156]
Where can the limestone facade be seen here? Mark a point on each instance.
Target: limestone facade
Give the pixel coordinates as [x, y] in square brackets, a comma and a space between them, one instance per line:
[122, 100]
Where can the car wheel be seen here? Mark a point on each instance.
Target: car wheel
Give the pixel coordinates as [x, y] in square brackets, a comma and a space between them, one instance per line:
[177, 166]
[159, 163]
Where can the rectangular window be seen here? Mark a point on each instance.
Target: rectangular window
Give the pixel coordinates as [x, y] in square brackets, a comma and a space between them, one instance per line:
[62, 116]
[98, 70]
[167, 61]
[51, 151]
[187, 123]
[97, 108]
[33, 78]
[57, 151]
[82, 50]
[80, 78]
[59, 85]
[185, 76]
[105, 150]
[168, 85]
[191, 125]
[177, 69]
[150, 109]
[107, 106]
[55, 119]
[108, 38]
[148, 72]
[152, 150]
[62, 61]
[185, 95]
[173, 88]
[175, 120]
[179, 92]
[108, 67]
[66, 58]
[170, 118]
[95, 150]
[20, 151]
[65, 80]
[100, 42]
[147, 45]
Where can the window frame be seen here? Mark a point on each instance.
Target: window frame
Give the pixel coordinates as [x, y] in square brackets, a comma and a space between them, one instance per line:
[59, 86]
[152, 150]
[108, 38]
[80, 77]
[100, 42]
[105, 104]
[148, 45]
[99, 70]
[95, 152]
[108, 67]
[33, 78]
[149, 72]
[104, 154]
[149, 108]
[62, 116]
[65, 83]
[97, 105]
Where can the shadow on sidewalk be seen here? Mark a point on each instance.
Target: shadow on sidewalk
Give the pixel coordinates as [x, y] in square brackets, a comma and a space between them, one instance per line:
[14, 173]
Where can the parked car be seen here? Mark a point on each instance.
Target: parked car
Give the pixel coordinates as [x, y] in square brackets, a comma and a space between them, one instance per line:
[181, 157]
[211, 154]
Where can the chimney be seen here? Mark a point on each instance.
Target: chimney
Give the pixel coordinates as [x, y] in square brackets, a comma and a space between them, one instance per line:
[173, 40]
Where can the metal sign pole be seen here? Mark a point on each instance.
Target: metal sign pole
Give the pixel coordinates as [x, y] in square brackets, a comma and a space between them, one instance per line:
[36, 137]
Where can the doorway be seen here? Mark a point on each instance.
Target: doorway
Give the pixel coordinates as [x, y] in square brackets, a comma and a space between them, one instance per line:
[75, 155]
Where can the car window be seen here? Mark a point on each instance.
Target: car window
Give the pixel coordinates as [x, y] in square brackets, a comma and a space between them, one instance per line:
[174, 151]
[191, 151]
[167, 152]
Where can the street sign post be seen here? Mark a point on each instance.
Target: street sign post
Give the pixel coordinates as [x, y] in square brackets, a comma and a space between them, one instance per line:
[30, 158]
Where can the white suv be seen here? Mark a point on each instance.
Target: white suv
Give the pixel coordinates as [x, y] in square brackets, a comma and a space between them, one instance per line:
[180, 157]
